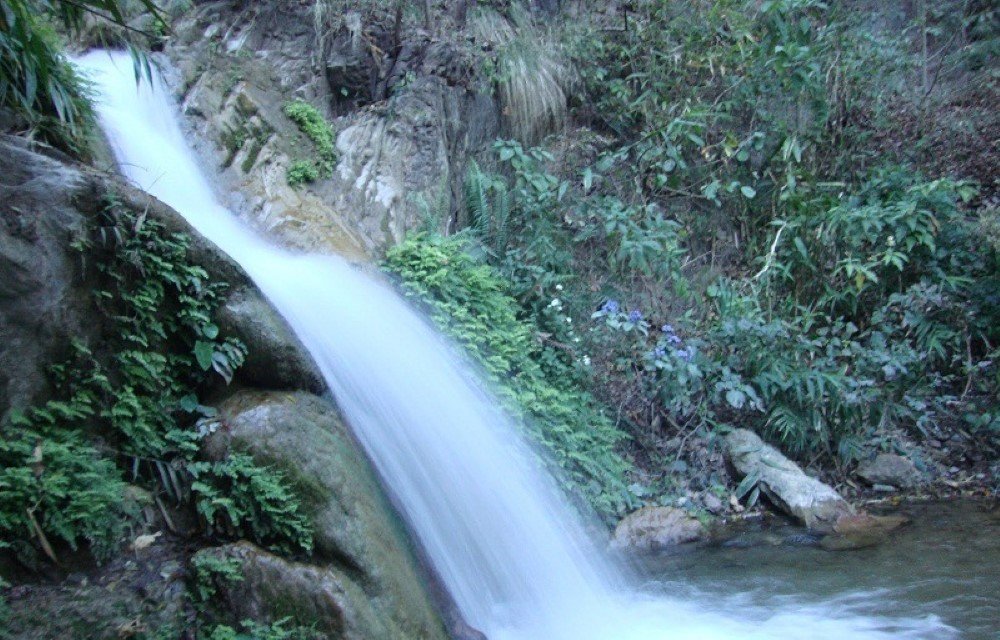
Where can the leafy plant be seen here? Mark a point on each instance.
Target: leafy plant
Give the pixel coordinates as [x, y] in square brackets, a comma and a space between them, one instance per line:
[138, 398]
[312, 123]
[302, 172]
[36, 80]
[240, 498]
[472, 304]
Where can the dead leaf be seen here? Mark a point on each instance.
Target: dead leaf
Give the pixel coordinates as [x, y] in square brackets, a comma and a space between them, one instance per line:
[144, 541]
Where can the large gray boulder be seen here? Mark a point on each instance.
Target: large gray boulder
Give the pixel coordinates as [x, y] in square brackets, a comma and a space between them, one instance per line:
[275, 357]
[818, 506]
[357, 533]
[44, 304]
[269, 588]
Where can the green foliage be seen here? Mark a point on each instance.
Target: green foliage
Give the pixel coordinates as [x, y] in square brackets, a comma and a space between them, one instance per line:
[472, 304]
[242, 499]
[312, 123]
[55, 485]
[36, 80]
[138, 395]
[740, 187]
[302, 172]
[278, 630]
[209, 571]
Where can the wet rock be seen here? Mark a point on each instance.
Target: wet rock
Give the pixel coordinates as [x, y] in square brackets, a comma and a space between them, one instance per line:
[808, 500]
[275, 357]
[861, 530]
[270, 588]
[43, 303]
[357, 534]
[713, 503]
[655, 528]
[890, 469]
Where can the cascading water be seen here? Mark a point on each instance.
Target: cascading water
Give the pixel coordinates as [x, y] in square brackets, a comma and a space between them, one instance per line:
[509, 550]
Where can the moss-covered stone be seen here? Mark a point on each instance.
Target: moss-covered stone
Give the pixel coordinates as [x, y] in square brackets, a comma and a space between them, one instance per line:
[357, 534]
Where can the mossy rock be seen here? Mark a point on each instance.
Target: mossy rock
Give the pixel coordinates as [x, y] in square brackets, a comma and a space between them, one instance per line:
[357, 534]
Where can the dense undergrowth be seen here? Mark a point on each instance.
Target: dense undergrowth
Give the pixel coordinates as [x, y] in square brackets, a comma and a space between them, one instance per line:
[732, 242]
[471, 302]
[128, 412]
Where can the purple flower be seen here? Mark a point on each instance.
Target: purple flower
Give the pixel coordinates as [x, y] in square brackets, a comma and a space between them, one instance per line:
[611, 306]
[635, 316]
[659, 352]
[684, 355]
[673, 339]
[667, 328]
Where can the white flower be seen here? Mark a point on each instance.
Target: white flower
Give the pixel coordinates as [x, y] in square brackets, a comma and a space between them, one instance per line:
[556, 303]
[569, 320]
[558, 287]
[586, 361]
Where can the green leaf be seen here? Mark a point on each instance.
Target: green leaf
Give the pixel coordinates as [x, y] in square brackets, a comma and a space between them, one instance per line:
[203, 352]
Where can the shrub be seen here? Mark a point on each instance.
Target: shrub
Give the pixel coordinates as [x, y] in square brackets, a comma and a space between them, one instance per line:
[301, 172]
[36, 80]
[312, 123]
[470, 302]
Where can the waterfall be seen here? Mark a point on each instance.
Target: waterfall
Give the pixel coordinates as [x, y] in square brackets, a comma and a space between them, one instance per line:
[510, 551]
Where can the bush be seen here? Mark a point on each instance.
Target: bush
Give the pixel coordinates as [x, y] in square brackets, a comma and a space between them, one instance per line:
[302, 172]
[36, 80]
[471, 303]
[312, 123]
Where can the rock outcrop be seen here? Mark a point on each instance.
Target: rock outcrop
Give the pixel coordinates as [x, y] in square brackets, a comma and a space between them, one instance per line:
[405, 106]
[275, 358]
[890, 469]
[806, 499]
[269, 588]
[364, 561]
[43, 303]
[363, 552]
[655, 529]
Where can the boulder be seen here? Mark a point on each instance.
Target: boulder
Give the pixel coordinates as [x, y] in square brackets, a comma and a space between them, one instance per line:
[357, 533]
[655, 528]
[817, 505]
[890, 469]
[275, 357]
[270, 588]
[44, 304]
[860, 530]
[408, 111]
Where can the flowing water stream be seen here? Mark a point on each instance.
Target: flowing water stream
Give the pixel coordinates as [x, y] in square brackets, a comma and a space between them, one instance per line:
[510, 551]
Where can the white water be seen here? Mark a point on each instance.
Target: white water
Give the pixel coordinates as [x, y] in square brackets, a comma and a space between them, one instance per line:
[511, 553]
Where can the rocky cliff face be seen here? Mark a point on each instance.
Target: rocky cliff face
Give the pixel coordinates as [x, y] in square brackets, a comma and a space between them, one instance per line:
[363, 555]
[408, 107]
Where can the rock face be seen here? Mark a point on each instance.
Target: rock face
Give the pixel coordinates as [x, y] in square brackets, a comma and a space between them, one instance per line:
[365, 565]
[275, 358]
[655, 528]
[890, 469]
[357, 535]
[402, 102]
[271, 588]
[43, 304]
[45, 293]
[808, 500]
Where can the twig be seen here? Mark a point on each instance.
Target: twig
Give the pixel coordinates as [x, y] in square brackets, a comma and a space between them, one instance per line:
[770, 254]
